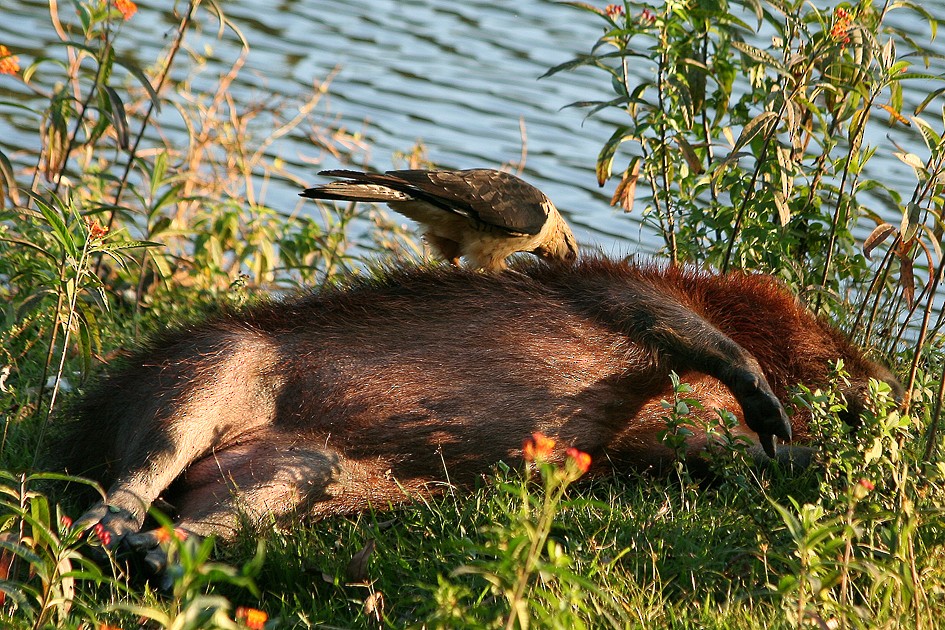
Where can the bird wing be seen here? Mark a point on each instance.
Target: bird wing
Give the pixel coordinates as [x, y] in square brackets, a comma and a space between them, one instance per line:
[497, 199]
[482, 195]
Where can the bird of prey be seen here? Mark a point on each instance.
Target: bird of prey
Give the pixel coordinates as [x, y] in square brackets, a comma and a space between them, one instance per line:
[480, 214]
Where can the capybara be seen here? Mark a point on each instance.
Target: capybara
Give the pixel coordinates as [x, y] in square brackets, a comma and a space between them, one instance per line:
[377, 392]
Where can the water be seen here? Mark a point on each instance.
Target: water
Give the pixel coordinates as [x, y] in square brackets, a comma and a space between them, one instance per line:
[457, 75]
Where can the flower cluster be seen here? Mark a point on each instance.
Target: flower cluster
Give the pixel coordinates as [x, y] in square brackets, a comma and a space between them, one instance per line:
[580, 459]
[842, 23]
[539, 448]
[165, 534]
[9, 63]
[252, 618]
[127, 8]
[647, 16]
[96, 231]
[103, 535]
[614, 11]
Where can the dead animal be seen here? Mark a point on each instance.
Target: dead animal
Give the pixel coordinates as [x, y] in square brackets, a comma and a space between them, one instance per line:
[360, 396]
[480, 214]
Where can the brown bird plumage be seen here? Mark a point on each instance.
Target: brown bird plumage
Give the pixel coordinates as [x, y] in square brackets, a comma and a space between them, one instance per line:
[479, 214]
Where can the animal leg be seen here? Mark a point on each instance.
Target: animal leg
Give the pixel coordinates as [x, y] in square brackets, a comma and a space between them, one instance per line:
[261, 477]
[448, 249]
[222, 398]
[686, 340]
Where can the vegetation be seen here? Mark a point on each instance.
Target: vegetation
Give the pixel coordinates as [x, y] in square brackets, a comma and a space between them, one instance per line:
[751, 147]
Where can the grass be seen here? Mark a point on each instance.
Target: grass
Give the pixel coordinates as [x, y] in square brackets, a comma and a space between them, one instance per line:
[740, 152]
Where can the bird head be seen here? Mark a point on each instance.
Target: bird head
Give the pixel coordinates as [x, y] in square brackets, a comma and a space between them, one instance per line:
[560, 246]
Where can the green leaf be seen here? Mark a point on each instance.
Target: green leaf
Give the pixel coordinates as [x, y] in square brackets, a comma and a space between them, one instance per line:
[928, 99]
[7, 181]
[605, 160]
[763, 57]
[932, 139]
[119, 118]
[925, 76]
[584, 6]
[143, 80]
[753, 128]
[911, 219]
[593, 60]
[157, 175]
[61, 231]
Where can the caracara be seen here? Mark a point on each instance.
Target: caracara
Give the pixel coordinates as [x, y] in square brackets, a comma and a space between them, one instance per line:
[480, 214]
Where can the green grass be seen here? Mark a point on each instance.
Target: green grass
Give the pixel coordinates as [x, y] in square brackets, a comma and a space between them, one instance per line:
[777, 125]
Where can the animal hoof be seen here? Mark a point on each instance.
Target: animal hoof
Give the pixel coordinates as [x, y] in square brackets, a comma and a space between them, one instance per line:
[770, 444]
[765, 415]
[106, 527]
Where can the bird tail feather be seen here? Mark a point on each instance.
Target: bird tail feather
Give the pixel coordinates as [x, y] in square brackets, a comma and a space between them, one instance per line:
[361, 189]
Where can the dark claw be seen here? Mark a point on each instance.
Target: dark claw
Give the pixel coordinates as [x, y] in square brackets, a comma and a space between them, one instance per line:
[770, 444]
[156, 561]
[784, 428]
[763, 411]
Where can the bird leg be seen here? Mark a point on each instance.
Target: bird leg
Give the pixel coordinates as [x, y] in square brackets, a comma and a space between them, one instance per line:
[448, 249]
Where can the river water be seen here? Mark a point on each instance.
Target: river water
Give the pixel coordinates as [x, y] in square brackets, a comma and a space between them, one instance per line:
[462, 77]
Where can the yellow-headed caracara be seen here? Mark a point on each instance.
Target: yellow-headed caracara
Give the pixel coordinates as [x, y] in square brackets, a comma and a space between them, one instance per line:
[479, 214]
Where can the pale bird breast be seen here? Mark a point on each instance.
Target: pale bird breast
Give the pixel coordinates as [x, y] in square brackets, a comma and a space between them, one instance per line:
[436, 221]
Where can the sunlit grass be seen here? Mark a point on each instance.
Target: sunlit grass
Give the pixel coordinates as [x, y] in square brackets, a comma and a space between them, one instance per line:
[103, 240]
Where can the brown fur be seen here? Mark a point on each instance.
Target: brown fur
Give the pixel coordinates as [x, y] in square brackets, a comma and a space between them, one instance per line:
[374, 393]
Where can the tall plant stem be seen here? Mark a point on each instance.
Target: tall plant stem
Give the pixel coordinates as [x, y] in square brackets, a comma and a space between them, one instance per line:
[133, 152]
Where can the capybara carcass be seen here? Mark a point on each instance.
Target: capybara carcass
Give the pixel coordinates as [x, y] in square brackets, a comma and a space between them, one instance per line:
[377, 392]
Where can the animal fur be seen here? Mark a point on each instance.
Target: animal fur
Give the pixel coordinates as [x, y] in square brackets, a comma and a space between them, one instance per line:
[360, 396]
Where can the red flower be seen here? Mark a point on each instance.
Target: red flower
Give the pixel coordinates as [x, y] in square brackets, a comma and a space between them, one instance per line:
[127, 8]
[581, 459]
[96, 231]
[252, 618]
[614, 11]
[538, 447]
[9, 63]
[647, 16]
[866, 483]
[104, 536]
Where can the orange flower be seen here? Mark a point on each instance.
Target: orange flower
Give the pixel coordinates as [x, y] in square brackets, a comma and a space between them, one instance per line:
[9, 63]
[105, 626]
[614, 11]
[538, 447]
[252, 618]
[96, 231]
[581, 459]
[165, 534]
[842, 22]
[127, 8]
